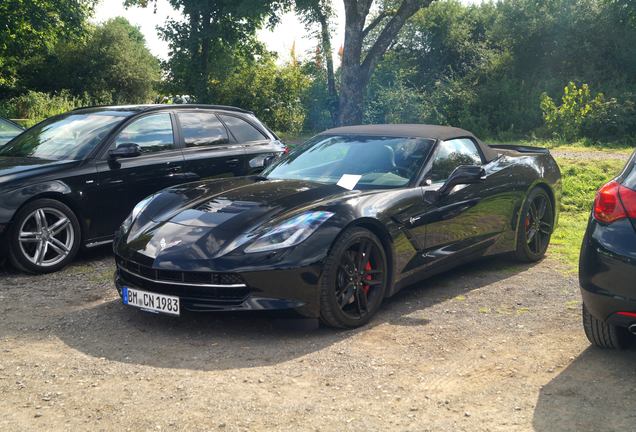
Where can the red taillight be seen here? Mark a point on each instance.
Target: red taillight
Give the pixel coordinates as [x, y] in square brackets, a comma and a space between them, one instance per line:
[627, 314]
[614, 202]
[628, 197]
[607, 204]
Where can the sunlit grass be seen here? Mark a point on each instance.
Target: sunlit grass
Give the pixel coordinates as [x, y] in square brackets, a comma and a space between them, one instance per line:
[626, 146]
[581, 180]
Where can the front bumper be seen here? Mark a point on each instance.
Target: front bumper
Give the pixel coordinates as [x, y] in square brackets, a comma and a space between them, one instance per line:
[296, 289]
[607, 271]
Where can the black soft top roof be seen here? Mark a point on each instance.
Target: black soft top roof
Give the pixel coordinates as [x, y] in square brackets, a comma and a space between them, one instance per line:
[442, 133]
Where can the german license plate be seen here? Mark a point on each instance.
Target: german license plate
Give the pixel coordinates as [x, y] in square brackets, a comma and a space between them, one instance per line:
[151, 302]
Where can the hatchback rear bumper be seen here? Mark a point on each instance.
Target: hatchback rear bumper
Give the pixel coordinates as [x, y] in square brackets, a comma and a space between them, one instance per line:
[607, 271]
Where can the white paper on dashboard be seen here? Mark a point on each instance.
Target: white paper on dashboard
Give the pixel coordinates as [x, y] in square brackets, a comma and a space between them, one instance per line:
[349, 181]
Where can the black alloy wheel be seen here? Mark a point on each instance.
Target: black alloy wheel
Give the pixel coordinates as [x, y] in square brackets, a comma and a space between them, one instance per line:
[354, 280]
[536, 225]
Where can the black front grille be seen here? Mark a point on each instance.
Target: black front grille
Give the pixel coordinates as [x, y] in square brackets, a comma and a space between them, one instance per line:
[168, 276]
[204, 289]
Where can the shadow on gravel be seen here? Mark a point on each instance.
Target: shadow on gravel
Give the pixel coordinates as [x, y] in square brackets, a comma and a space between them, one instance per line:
[594, 393]
[244, 340]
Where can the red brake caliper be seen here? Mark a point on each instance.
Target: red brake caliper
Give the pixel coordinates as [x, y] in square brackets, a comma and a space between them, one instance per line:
[367, 268]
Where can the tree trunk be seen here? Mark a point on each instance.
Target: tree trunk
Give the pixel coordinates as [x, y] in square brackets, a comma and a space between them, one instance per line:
[331, 78]
[204, 91]
[352, 83]
[356, 71]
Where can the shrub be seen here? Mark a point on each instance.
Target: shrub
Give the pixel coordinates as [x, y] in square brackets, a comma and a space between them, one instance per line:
[582, 115]
[35, 106]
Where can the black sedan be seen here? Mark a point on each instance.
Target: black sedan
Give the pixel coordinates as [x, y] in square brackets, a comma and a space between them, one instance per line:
[71, 180]
[345, 220]
[607, 265]
[8, 130]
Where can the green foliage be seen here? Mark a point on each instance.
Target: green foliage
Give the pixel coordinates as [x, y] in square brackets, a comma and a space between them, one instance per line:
[36, 106]
[214, 38]
[485, 67]
[31, 28]
[273, 92]
[577, 105]
[111, 64]
[583, 115]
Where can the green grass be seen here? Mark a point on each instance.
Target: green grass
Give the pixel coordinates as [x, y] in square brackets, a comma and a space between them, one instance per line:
[581, 179]
[626, 146]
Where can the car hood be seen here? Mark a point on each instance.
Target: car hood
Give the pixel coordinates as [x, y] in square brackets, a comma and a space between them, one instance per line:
[13, 168]
[207, 220]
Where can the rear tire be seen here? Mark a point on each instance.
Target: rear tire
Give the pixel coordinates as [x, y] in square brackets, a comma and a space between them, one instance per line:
[602, 334]
[354, 280]
[45, 237]
[535, 226]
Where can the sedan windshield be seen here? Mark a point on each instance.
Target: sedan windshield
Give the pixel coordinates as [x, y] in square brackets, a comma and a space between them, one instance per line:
[371, 161]
[68, 137]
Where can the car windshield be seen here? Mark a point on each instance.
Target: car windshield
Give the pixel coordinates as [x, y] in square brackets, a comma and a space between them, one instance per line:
[357, 161]
[68, 137]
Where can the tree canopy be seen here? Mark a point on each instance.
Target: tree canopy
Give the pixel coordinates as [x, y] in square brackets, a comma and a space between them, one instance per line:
[30, 28]
[514, 68]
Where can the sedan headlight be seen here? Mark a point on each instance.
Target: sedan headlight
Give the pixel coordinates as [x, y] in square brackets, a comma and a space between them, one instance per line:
[141, 205]
[289, 233]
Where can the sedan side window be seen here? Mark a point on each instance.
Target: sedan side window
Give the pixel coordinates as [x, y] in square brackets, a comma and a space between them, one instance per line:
[242, 130]
[450, 155]
[151, 133]
[202, 129]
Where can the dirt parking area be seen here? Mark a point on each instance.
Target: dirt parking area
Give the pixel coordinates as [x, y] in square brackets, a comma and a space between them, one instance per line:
[494, 346]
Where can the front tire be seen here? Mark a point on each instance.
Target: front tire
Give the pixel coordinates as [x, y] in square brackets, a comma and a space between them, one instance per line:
[354, 280]
[45, 237]
[535, 226]
[602, 334]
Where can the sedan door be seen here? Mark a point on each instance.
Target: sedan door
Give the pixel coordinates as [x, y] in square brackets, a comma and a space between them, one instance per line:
[209, 150]
[123, 182]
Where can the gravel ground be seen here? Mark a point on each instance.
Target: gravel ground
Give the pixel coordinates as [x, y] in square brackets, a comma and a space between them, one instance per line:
[493, 346]
[589, 155]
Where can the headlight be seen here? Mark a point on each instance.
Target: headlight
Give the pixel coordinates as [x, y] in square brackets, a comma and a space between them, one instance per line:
[290, 232]
[141, 205]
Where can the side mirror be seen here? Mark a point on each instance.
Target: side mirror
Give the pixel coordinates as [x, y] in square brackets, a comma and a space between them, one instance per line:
[126, 150]
[268, 161]
[464, 174]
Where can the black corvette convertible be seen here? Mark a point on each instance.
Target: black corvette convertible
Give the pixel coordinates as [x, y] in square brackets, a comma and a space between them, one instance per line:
[345, 220]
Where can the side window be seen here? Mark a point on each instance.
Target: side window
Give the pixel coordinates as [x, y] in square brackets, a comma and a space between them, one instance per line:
[151, 133]
[452, 154]
[202, 129]
[242, 130]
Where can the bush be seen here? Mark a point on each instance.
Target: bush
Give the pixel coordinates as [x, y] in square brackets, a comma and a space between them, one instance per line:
[582, 115]
[273, 92]
[35, 106]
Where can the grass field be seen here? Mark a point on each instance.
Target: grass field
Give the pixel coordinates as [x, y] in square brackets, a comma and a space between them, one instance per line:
[581, 180]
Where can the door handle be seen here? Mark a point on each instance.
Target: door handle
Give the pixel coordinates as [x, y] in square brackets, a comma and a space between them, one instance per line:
[233, 162]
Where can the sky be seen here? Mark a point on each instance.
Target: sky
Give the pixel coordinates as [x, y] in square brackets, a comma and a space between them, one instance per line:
[289, 31]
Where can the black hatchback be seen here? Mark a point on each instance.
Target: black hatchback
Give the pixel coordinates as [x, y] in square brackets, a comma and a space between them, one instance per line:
[607, 265]
[71, 180]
